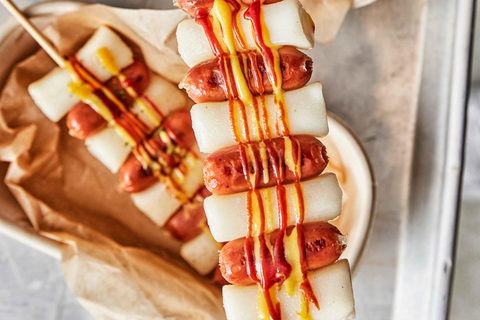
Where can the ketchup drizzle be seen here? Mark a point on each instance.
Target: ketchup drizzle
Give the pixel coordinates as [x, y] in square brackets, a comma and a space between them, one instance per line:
[135, 128]
[276, 269]
[253, 14]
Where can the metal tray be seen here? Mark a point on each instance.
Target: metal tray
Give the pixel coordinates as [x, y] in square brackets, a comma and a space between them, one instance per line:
[398, 75]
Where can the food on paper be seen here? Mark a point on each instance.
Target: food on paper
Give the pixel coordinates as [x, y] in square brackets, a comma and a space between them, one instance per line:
[189, 221]
[132, 121]
[201, 253]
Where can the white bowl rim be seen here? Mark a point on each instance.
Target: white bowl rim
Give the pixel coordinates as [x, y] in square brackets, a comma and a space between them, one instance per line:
[336, 120]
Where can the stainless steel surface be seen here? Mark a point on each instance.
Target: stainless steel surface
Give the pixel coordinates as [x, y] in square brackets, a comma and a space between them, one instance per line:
[429, 227]
[371, 77]
[396, 74]
[392, 48]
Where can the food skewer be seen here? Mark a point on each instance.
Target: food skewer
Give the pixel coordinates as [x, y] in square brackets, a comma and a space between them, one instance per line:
[104, 143]
[34, 32]
[272, 223]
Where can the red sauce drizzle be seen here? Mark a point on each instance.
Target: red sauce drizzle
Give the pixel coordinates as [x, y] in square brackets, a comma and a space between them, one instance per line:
[306, 287]
[253, 14]
[267, 271]
[236, 6]
[202, 18]
[136, 129]
[152, 106]
[272, 270]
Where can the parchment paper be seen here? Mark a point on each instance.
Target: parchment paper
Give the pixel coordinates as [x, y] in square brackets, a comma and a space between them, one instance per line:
[116, 261]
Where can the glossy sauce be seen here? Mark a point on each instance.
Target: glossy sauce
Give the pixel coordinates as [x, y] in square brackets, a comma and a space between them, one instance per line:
[153, 153]
[289, 267]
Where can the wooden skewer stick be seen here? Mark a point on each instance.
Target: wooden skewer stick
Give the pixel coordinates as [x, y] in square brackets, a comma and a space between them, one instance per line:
[34, 32]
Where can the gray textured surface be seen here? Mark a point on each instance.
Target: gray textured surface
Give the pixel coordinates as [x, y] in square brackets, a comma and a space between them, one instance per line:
[32, 286]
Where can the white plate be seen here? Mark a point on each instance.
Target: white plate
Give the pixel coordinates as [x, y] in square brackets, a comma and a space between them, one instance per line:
[13, 36]
[355, 174]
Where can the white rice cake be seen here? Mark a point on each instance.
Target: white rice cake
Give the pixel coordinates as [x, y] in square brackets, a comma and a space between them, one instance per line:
[156, 202]
[104, 37]
[227, 214]
[109, 148]
[287, 22]
[159, 204]
[164, 95]
[331, 284]
[201, 253]
[51, 94]
[305, 109]
[193, 180]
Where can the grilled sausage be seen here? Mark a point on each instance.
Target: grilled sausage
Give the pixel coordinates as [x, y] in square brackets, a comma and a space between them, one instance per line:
[134, 178]
[224, 172]
[83, 121]
[206, 82]
[189, 221]
[323, 245]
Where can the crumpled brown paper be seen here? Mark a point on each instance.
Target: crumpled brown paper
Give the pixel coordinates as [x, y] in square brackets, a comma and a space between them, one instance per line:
[116, 261]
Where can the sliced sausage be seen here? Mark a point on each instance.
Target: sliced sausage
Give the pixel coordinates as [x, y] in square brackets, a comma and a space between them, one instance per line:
[206, 81]
[137, 76]
[189, 221]
[134, 177]
[223, 170]
[323, 245]
[83, 121]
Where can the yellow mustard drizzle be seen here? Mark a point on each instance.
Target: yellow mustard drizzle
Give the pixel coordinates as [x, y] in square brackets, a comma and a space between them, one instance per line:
[256, 219]
[294, 166]
[154, 117]
[268, 209]
[262, 307]
[276, 80]
[107, 59]
[96, 85]
[292, 254]
[263, 112]
[223, 14]
[295, 279]
[222, 24]
[85, 92]
[293, 282]
[241, 119]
